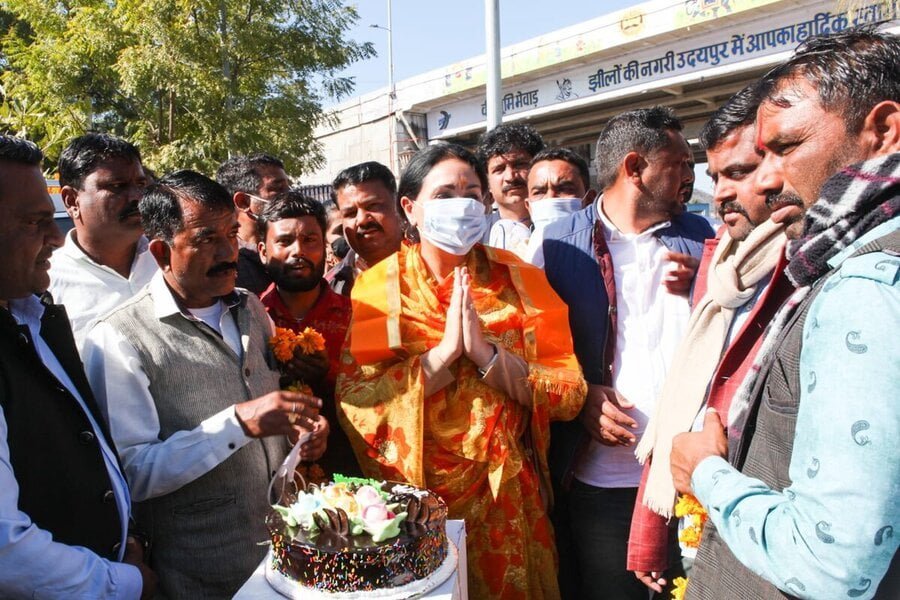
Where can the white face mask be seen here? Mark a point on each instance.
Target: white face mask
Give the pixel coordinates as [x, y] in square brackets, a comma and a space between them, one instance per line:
[453, 224]
[544, 212]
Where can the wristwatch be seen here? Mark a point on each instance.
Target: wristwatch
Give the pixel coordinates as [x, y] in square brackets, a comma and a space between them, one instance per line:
[483, 371]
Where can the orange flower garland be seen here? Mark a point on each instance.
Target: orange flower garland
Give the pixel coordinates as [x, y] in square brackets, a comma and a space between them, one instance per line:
[689, 506]
[310, 341]
[285, 344]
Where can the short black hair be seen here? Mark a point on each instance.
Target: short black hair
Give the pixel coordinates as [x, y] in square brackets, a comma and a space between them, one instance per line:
[290, 205]
[241, 174]
[19, 150]
[363, 172]
[737, 112]
[424, 160]
[83, 154]
[160, 206]
[851, 71]
[503, 139]
[569, 156]
[643, 130]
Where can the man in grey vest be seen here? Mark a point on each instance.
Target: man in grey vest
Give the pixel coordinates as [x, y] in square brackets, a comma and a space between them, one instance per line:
[802, 493]
[184, 374]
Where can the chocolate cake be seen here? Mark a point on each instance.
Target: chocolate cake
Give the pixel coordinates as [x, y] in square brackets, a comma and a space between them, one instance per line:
[359, 536]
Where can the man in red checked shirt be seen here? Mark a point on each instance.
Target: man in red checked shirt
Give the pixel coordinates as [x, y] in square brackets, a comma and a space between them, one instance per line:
[292, 249]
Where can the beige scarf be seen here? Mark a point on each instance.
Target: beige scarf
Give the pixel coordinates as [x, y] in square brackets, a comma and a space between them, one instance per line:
[734, 272]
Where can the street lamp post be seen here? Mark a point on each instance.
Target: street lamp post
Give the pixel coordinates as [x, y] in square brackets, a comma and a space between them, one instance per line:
[492, 43]
[392, 91]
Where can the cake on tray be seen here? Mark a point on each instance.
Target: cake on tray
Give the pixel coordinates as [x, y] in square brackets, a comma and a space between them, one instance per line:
[358, 538]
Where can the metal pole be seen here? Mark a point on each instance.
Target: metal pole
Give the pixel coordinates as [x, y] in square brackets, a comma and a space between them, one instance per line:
[392, 92]
[492, 48]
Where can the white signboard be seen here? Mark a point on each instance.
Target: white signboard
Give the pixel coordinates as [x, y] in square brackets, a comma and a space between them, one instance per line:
[696, 54]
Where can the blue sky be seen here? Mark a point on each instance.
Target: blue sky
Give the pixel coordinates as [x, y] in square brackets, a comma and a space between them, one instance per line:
[434, 33]
[429, 34]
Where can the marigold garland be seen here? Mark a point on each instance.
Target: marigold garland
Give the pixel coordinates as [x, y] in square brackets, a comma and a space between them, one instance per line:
[284, 345]
[300, 387]
[311, 341]
[679, 588]
[285, 342]
[689, 506]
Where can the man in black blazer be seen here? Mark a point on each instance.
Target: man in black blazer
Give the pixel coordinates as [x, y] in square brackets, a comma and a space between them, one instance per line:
[64, 503]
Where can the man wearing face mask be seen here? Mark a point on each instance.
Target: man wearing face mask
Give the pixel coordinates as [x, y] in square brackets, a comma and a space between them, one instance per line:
[336, 246]
[609, 262]
[252, 181]
[448, 384]
[105, 259]
[292, 248]
[558, 185]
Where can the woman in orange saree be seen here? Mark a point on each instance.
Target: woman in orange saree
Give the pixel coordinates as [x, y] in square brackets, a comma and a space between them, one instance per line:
[459, 357]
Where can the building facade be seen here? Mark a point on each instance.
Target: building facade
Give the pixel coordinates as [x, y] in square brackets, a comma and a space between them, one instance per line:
[691, 55]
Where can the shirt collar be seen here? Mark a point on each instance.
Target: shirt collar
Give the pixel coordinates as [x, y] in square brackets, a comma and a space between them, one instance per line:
[612, 232]
[272, 300]
[27, 310]
[71, 249]
[165, 304]
[359, 264]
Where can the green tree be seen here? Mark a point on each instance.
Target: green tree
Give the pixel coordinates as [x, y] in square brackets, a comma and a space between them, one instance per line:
[191, 82]
[56, 70]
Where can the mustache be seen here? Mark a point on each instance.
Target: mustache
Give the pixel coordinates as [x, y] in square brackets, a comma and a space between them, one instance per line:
[512, 185]
[129, 211]
[222, 267]
[732, 206]
[371, 226]
[300, 262]
[774, 201]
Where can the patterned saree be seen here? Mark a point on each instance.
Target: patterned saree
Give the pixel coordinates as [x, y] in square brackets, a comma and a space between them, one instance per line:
[481, 451]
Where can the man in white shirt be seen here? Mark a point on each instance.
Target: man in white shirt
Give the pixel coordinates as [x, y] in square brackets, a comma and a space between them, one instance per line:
[506, 152]
[104, 260]
[184, 374]
[610, 263]
[64, 503]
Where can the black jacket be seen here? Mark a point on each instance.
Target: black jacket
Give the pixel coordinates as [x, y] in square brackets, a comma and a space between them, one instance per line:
[57, 461]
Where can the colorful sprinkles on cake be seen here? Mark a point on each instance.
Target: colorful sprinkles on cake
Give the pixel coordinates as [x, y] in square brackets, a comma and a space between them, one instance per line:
[363, 564]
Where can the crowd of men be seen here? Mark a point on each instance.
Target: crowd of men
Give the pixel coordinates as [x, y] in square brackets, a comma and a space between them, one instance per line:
[754, 368]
